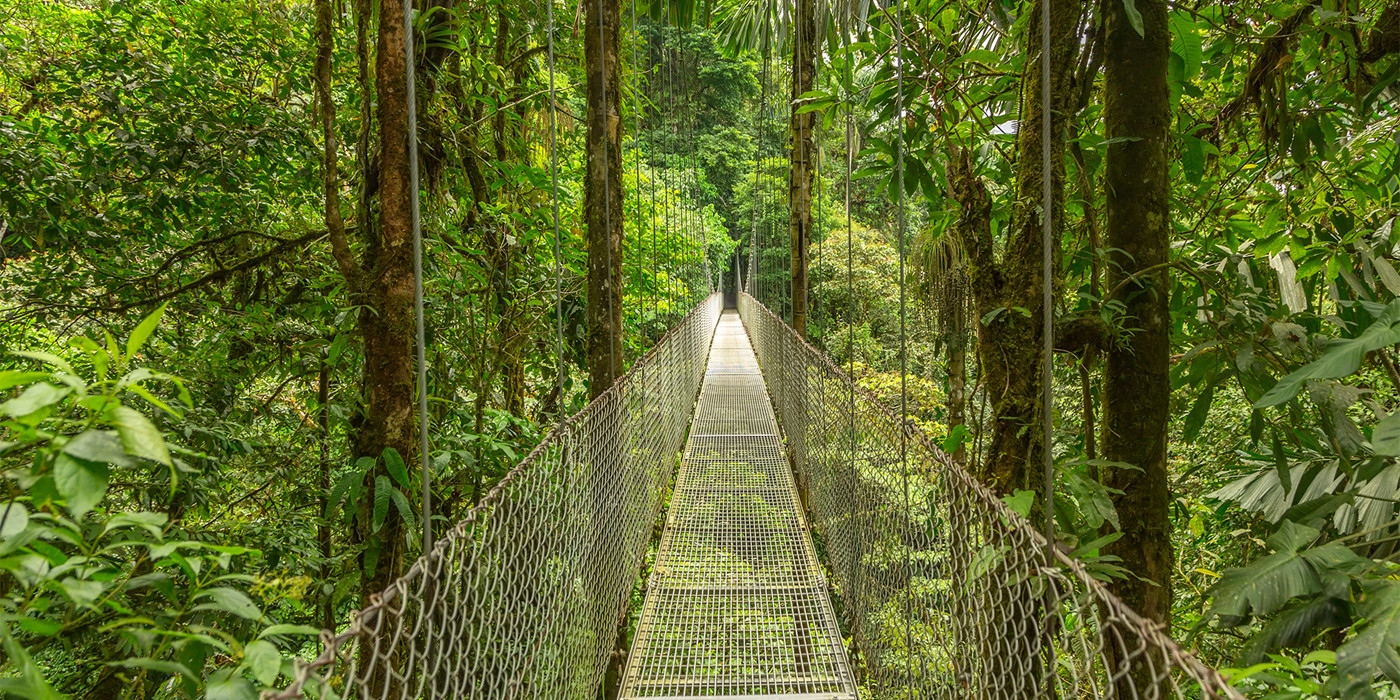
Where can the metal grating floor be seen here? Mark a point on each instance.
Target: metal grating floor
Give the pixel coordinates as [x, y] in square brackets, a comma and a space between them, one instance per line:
[736, 605]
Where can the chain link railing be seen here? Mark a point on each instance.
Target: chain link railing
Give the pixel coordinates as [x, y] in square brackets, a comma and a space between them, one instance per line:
[523, 597]
[945, 591]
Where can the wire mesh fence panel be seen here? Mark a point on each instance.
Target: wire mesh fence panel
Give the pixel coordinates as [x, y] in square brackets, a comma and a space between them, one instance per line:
[523, 597]
[944, 591]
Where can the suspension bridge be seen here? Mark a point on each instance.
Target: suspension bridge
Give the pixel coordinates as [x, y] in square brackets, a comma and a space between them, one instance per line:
[736, 518]
[763, 460]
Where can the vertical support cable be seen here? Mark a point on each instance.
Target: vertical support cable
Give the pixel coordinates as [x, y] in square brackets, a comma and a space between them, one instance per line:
[423, 461]
[637, 155]
[898, 38]
[1047, 270]
[554, 184]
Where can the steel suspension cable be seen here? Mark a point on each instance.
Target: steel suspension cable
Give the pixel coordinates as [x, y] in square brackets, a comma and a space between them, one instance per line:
[419, 325]
[898, 38]
[1047, 317]
[554, 195]
[637, 157]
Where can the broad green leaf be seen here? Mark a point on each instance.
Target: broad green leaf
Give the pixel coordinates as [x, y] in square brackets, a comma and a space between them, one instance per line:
[152, 523]
[1134, 17]
[48, 358]
[405, 510]
[1372, 652]
[83, 593]
[393, 463]
[139, 436]
[1290, 537]
[82, 484]
[29, 682]
[227, 684]
[231, 601]
[101, 446]
[34, 398]
[10, 380]
[14, 517]
[276, 630]
[143, 331]
[1385, 437]
[1271, 581]
[382, 487]
[1196, 418]
[42, 628]
[1021, 502]
[263, 661]
[1341, 358]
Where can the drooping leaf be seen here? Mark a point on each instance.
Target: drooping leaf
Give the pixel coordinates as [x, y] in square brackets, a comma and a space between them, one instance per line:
[1385, 437]
[101, 446]
[139, 436]
[143, 331]
[229, 600]
[1134, 17]
[48, 358]
[1196, 418]
[1341, 358]
[263, 661]
[14, 517]
[393, 463]
[382, 487]
[81, 483]
[227, 684]
[34, 398]
[405, 510]
[1372, 652]
[30, 682]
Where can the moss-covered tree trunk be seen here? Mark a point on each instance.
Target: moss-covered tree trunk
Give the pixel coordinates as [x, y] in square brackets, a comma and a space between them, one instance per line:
[386, 322]
[802, 172]
[1137, 217]
[603, 202]
[1007, 294]
[1007, 291]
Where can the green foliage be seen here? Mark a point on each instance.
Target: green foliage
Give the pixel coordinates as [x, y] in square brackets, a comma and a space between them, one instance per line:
[93, 566]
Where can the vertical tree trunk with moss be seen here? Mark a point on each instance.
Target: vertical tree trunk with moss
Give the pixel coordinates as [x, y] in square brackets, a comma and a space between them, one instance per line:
[802, 173]
[603, 214]
[1007, 293]
[1137, 390]
[603, 200]
[386, 321]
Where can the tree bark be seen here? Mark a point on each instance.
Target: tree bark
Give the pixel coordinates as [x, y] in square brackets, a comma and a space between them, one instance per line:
[1011, 341]
[386, 322]
[1011, 650]
[1137, 389]
[801, 172]
[603, 203]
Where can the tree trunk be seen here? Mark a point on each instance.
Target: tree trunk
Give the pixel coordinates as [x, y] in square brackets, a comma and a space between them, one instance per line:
[1011, 341]
[1011, 650]
[603, 205]
[1136, 388]
[801, 173]
[386, 322]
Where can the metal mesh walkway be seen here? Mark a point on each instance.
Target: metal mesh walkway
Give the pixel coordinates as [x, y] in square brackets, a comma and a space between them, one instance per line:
[736, 604]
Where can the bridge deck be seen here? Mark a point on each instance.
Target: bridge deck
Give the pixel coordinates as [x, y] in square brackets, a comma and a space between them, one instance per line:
[737, 604]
